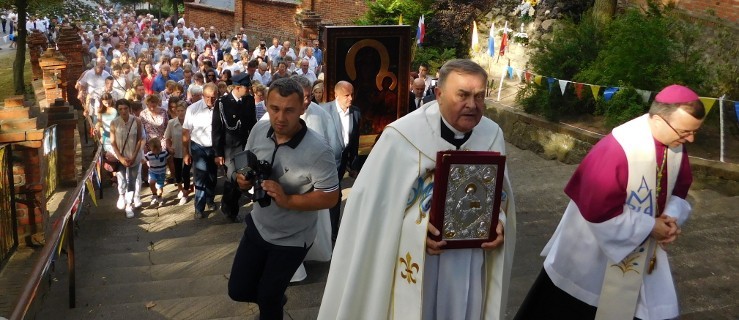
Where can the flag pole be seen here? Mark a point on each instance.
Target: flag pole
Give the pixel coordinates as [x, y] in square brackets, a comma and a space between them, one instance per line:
[502, 76]
[721, 126]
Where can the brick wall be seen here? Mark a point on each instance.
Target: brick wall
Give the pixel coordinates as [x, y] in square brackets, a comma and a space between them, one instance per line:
[205, 17]
[271, 19]
[727, 10]
[337, 12]
[264, 19]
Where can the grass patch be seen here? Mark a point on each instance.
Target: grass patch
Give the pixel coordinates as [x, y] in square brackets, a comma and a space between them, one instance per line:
[7, 57]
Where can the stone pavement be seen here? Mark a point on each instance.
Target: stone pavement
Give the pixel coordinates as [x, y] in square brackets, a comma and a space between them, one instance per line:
[165, 265]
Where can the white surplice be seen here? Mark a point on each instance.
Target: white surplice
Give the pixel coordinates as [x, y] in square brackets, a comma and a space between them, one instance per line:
[380, 269]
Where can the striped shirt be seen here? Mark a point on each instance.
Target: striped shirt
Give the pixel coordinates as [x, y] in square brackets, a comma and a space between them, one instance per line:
[157, 161]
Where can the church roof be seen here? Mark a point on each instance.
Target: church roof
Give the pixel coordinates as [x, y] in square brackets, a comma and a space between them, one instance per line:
[220, 4]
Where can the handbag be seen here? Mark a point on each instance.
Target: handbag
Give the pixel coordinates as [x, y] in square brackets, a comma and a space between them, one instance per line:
[110, 162]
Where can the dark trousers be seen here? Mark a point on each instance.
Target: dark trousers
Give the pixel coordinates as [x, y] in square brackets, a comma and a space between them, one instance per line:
[204, 162]
[546, 301]
[182, 173]
[231, 191]
[335, 211]
[3, 23]
[262, 271]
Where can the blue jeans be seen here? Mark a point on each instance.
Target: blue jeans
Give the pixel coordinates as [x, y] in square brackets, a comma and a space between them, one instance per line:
[204, 163]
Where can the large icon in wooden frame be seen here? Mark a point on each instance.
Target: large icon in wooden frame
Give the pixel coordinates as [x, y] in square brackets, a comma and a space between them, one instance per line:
[376, 61]
[468, 187]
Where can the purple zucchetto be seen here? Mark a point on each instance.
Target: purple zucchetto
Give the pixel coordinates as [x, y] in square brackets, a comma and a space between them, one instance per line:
[676, 94]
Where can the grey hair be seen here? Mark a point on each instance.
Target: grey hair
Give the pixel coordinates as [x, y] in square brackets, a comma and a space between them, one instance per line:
[303, 82]
[464, 66]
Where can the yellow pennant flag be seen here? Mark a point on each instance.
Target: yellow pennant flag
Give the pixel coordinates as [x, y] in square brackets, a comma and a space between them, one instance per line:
[537, 80]
[595, 89]
[708, 103]
[475, 38]
[91, 191]
[400, 20]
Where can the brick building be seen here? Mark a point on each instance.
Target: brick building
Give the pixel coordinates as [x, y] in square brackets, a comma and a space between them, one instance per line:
[726, 10]
[264, 19]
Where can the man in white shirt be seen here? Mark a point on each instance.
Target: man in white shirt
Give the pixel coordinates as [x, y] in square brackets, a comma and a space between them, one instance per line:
[93, 82]
[274, 50]
[263, 75]
[306, 71]
[312, 62]
[290, 51]
[198, 149]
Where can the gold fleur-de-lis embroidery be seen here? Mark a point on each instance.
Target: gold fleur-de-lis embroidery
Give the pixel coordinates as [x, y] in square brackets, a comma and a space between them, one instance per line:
[407, 274]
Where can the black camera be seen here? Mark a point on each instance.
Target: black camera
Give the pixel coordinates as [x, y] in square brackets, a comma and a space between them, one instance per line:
[256, 171]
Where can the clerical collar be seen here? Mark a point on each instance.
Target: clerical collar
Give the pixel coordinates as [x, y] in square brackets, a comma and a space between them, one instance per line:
[449, 134]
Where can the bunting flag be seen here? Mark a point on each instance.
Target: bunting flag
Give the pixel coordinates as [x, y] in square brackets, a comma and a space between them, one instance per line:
[644, 94]
[400, 20]
[736, 110]
[550, 81]
[578, 90]
[609, 92]
[491, 40]
[563, 86]
[91, 191]
[519, 74]
[475, 38]
[537, 80]
[421, 32]
[595, 89]
[510, 72]
[504, 40]
[708, 103]
[528, 76]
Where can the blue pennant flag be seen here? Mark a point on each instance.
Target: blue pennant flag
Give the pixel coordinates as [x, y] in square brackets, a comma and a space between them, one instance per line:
[510, 72]
[609, 92]
[736, 109]
[551, 81]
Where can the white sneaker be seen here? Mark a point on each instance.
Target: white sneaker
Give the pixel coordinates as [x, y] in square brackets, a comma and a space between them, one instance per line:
[137, 202]
[183, 201]
[180, 194]
[154, 201]
[121, 202]
[129, 211]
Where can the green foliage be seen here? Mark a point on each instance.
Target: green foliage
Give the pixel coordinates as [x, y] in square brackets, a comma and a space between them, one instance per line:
[721, 60]
[571, 47]
[645, 50]
[434, 57]
[625, 105]
[388, 12]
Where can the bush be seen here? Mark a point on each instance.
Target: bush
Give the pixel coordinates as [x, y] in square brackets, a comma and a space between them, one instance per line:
[636, 50]
[434, 57]
[625, 105]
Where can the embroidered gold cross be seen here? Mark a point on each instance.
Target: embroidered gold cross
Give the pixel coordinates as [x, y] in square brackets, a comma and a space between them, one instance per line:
[409, 267]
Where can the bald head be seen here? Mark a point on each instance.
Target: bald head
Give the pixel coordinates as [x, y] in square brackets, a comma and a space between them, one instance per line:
[343, 91]
[419, 86]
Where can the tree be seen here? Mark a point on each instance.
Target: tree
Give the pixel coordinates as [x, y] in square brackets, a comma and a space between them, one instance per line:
[73, 9]
[604, 10]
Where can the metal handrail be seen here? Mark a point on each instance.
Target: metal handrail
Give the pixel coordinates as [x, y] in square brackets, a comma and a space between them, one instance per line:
[44, 260]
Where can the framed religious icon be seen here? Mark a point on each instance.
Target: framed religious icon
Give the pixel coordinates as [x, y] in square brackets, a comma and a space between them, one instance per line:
[376, 61]
[467, 192]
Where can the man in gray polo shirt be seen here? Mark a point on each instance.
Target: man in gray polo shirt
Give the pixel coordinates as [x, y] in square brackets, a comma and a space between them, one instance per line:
[303, 180]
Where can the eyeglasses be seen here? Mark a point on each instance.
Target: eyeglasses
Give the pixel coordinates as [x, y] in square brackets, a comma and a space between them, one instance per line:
[680, 133]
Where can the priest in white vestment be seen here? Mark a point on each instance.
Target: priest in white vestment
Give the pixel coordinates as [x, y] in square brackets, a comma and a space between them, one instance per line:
[607, 258]
[384, 265]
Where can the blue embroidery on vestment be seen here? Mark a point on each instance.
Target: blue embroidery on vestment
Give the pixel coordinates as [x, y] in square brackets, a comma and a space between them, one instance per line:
[641, 199]
[422, 190]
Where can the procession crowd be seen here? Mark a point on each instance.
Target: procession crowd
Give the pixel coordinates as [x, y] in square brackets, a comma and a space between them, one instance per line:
[168, 100]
